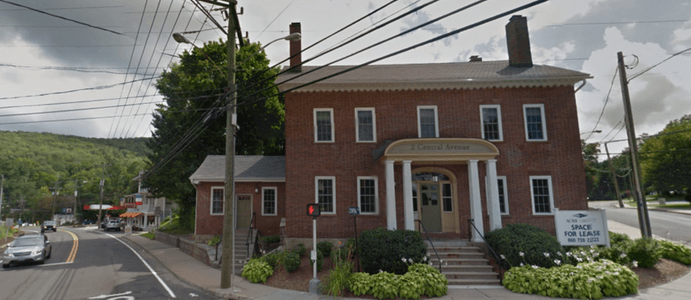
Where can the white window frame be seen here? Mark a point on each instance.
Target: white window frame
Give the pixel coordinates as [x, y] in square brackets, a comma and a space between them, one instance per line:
[316, 131]
[275, 189]
[211, 202]
[357, 125]
[316, 192]
[441, 193]
[482, 122]
[436, 120]
[543, 122]
[551, 194]
[376, 194]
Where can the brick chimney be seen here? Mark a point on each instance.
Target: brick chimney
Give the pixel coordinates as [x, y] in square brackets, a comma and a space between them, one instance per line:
[518, 43]
[295, 48]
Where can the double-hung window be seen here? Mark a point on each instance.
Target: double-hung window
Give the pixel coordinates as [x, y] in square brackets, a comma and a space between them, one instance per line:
[325, 192]
[491, 123]
[268, 201]
[323, 125]
[367, 195]
[427, 121]
[503, 196]
[217, 199]
[541, 193]
[365, 125]
[535, 127]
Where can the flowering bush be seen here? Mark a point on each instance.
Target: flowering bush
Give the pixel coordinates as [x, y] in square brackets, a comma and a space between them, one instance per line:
[381, 249]
[646, 251]
[591, 280]
[523, 243]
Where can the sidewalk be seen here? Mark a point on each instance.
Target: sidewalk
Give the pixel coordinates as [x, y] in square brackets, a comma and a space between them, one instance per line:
[192, 271]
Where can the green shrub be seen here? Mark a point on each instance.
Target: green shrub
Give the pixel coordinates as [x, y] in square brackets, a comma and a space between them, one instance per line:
[361, 283]
[290, 261]
[675, 252]
[618, 238]
[409, 285]
[257, 270]
[646, 252]
[384, 286]
[271, 239]
[320, 260]
[381, 249]
[586, 281]
[271, 259]
[523, 243]
[325, 247]
[433, 283]
[300, 250]
[338, 277]
[340, 254]
[214, 240]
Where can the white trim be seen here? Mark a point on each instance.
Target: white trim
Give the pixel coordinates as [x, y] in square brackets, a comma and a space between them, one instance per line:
[357, 125]
[376, 194]
[253, 179]
[408, 215]
[443, 197]
[551, 194]
[211, 200]
[316, 192]
[390, 196]
[506, 195]
[482, 122]
[331, 118]
[436, 120]
[543, 122]
[275, 189]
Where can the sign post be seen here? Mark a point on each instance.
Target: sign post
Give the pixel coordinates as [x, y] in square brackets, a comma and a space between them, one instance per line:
[354, 211]
[314, 211]
[581, 227]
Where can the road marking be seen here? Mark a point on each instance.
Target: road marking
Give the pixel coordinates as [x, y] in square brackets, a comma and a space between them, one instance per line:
[172, 295]
[75, 246]
[108, 296]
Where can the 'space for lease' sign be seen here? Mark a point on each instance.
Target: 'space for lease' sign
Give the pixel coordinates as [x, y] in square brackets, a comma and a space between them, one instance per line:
[581, 227]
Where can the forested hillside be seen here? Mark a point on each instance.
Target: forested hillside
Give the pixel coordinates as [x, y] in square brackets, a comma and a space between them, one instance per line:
[40, 168]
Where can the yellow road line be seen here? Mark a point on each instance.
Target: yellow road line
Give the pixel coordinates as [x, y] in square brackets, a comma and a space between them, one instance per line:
[75, 246]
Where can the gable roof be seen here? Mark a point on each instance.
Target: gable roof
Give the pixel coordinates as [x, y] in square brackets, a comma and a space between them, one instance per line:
[248, 168]
[460, 75]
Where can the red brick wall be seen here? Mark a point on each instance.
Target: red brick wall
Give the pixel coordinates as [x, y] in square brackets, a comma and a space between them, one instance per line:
[207, 224]
[459, 117]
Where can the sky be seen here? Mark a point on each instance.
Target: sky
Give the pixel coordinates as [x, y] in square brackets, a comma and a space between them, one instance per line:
[89, 67]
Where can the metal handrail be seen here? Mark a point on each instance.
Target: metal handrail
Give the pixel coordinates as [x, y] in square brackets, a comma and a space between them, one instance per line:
[430, 242]
[496, 257]
[249, 233]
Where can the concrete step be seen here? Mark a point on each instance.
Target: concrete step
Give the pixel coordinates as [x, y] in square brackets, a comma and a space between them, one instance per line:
[465, 249]
[452, 254]
[460, 261]
[471, 275]
[474, 282]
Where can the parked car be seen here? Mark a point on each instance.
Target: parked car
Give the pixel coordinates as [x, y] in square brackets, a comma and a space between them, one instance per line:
[49, 225]
[112, 225]
[87, 222]
[27, 248]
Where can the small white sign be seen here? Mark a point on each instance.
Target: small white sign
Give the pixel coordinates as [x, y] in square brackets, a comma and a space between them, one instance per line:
[313, 255]
[581, 227]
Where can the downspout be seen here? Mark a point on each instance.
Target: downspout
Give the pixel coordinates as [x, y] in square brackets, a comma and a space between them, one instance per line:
[580, 87]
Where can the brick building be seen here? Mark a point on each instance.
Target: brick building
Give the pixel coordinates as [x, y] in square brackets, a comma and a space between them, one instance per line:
[495, 142]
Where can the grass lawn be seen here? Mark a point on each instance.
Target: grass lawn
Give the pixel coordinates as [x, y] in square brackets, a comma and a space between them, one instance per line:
[148, 235]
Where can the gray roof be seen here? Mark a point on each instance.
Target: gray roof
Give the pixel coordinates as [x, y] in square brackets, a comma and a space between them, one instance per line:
[248, 168]
[480, 74]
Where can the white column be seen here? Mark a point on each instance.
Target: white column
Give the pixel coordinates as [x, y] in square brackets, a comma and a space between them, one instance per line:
[390, 197]
[493, 195]
[475, 200]
[408, 196]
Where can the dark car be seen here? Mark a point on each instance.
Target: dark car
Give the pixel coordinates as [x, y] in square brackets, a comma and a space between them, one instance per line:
[49, 225]
[87, 222]
[27, 248]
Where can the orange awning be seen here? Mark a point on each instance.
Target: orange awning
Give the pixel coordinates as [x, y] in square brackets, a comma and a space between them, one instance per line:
[130, 215]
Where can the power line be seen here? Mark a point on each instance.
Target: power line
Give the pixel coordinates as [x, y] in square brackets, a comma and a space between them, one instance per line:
[60, 17]
[657, 64]
[616, 71]
[75, 90]
[272, 21]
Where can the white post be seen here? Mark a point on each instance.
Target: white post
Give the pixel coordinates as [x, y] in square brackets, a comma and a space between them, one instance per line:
[493, 195]
[390, 197]
[314, 282]
[407, 196]
[475, 200]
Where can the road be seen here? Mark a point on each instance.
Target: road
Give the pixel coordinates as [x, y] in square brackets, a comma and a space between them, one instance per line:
[669, 225]
[91, 264]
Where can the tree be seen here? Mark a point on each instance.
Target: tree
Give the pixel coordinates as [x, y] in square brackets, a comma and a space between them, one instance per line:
[195, 94]
[666, 159]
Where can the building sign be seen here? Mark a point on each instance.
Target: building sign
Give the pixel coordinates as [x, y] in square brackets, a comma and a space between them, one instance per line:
[441, 147]
[581, 227]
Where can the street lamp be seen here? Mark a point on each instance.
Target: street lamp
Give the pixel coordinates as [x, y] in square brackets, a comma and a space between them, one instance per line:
[228, 237]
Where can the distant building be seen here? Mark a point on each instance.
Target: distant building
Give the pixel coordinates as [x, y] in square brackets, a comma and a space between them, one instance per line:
[143, 210]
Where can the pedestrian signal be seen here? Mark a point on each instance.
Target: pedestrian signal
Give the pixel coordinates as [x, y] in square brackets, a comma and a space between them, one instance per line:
[313, 209]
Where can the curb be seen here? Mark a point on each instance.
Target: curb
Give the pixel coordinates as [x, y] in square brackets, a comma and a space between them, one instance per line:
[205, 289]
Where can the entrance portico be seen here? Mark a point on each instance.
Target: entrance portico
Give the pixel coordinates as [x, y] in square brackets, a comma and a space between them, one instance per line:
[440, 152]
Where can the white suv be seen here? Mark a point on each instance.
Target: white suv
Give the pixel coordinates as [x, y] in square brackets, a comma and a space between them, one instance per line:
[112, 225]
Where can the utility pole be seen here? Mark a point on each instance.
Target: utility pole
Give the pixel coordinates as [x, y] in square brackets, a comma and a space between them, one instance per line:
[643, 219]
[74, 210]
[100, 203]
[614, 177]
[228, 257]
[2, 185]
